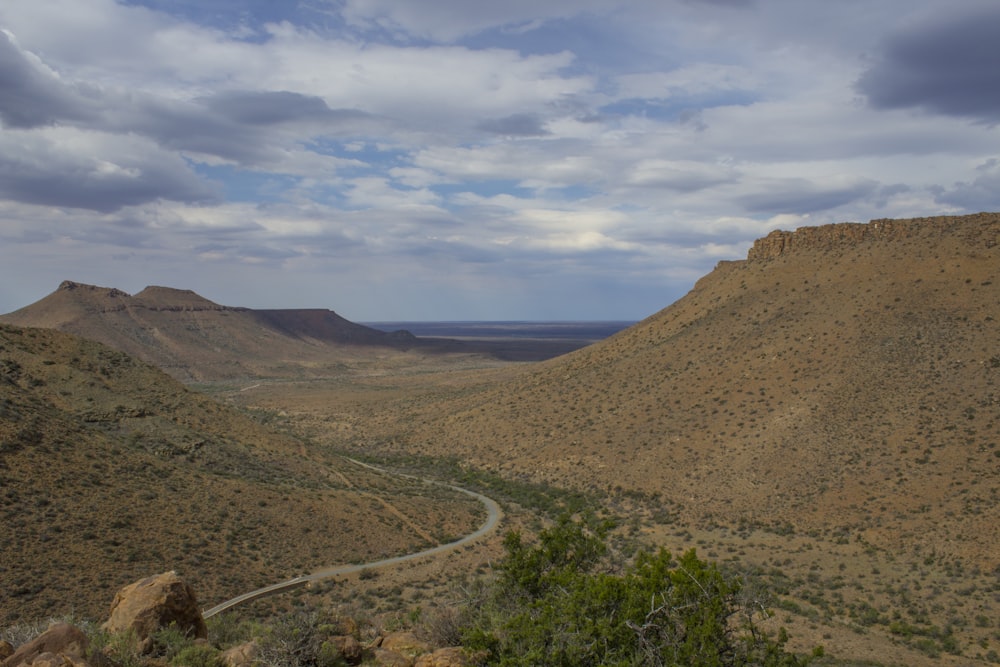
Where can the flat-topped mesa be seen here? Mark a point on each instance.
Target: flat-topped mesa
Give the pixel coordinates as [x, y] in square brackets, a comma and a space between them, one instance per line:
[978, 229]
[110, 292]
[160, 298]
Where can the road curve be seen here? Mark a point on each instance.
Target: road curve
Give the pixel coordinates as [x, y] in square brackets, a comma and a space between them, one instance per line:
[493, 516]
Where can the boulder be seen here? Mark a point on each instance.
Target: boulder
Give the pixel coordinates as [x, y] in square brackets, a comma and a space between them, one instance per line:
[445, 657]
[240, 656]
[386, 658]
[153, 603]
[62, 643]
[405, 643]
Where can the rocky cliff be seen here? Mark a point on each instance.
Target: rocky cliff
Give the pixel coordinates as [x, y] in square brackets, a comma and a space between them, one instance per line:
[981, 229]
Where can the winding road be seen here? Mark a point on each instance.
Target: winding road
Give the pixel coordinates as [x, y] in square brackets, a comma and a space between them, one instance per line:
[493, 516]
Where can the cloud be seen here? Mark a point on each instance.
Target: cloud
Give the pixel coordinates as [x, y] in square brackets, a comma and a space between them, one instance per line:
[65, 167]
[946, 64]
[801, 196]
[678, 175]
[466, 149]
[32, 95]
[251, 107]
[515, 125]
[449, 20]
[980, 194]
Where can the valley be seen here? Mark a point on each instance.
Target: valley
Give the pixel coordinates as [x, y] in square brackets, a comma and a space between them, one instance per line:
[821, 417]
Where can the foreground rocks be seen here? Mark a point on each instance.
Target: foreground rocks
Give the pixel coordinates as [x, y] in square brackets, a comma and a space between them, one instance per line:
[146, 607]
[62, 644]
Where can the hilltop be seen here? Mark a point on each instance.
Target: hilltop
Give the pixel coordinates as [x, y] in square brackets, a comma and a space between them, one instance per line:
[111, 470]
[195, 339]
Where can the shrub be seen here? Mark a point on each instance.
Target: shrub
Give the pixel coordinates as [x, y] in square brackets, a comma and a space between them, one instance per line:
[558, 602]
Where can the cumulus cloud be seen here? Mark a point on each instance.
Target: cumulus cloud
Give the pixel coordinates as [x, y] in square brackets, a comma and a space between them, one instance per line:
[66, 167]
[980, 194]
[252, 107]
[31, 94]
[946, 64]
[516, 125]
[801, 196]
[625, 145]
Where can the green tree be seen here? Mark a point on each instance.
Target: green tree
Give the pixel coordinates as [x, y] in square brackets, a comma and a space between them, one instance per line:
[560, 602]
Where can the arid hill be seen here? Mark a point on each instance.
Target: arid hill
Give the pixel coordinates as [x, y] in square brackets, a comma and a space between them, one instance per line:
[195, 339]
[111, 470]
[842, 381]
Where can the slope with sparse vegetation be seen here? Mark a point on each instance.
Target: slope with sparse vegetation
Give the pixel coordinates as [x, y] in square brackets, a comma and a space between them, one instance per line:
[111, 470]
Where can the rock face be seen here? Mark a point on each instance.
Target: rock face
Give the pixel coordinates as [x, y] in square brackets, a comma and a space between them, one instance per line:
[981, 229]
[154, 603]
[61, 644]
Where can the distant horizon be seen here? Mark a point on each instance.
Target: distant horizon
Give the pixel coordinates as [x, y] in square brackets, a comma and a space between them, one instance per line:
[581, 330]
[515, 321]
[338, 311]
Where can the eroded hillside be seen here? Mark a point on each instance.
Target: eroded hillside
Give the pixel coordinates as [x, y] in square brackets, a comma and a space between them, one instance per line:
[111, 470]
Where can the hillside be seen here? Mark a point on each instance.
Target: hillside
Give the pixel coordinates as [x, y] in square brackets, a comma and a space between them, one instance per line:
[111, 470]
[841, 381]
[193, 338]
[197, 340]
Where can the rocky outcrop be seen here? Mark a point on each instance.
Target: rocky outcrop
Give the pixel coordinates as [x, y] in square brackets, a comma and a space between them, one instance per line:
[980, 229]
[406, 643]
[62, 644]
[154, 603]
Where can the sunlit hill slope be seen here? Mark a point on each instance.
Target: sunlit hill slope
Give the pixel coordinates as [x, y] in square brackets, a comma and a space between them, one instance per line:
[842, 380]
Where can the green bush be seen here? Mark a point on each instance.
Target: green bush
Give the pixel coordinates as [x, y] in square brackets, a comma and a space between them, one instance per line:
[559, 602]
[197, 655]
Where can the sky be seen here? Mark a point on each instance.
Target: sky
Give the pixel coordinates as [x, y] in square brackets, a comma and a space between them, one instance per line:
[473, 160]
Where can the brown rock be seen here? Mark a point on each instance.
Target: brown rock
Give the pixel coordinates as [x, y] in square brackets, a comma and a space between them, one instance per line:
[6, 650]
[60, 641]
[387, 658]
[154, 603]
[56, 660]
[240, 656]
[405, 643]
[445, 657]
